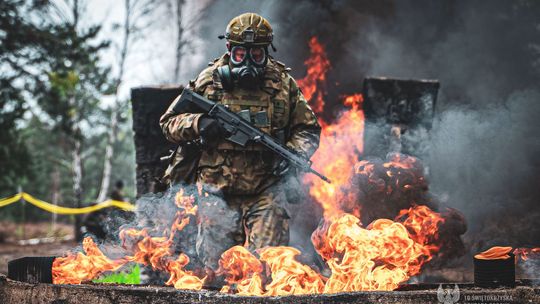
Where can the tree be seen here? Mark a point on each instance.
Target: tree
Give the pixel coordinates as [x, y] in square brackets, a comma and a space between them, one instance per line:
[135, 23]
[75, 82]
[21, 41]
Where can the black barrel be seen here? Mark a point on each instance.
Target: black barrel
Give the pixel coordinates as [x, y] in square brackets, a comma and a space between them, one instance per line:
[495, 273]
[31, 269]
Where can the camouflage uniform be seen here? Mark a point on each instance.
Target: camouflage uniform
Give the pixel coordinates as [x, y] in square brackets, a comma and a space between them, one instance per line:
[244, 175]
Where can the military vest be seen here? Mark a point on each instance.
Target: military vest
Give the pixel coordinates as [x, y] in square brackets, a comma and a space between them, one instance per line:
[246, 170]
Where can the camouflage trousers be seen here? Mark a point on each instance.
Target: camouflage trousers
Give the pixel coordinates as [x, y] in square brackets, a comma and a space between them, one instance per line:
[255, 220]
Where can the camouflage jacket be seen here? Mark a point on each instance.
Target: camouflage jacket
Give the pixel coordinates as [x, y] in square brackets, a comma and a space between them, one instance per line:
[277, 107]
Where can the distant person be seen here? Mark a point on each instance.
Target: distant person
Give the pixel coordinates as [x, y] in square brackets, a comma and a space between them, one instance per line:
[117, 193]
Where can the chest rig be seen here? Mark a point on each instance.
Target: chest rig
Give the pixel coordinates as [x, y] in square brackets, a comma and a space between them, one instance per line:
[267, 108]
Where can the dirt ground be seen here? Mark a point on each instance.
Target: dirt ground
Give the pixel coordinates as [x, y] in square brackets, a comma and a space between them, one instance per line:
[9, 251]
[33, 239]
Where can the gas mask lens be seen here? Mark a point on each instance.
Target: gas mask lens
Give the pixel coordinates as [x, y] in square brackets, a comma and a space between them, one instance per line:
[258, 55]
[238, 54]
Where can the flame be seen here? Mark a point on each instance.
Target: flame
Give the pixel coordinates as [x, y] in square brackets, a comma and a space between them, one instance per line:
[241, 268]
[313, 84]
[379, 257]
[79, 267]
[525, 253]
[423, 227]
[340, 145]
[180, 278]
[422, 223]
[341, 141]
[495, 253]
[146, 249]
[502, 253]
[288, 275]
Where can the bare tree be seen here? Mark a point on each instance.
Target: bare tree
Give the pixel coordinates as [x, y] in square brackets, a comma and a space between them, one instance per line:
[180, 41]
[185, 23]
[76, 153]
[136, 21]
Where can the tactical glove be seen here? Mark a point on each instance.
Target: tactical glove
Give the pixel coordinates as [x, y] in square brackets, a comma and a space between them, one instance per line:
[282, 168]
[210, 131]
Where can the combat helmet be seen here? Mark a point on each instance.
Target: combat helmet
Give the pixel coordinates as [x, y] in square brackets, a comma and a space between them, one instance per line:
[249, 29]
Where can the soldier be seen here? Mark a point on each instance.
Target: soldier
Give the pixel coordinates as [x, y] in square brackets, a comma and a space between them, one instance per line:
[250, 179]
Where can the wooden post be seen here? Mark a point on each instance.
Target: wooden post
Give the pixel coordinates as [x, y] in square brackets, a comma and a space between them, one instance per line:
[23, 202]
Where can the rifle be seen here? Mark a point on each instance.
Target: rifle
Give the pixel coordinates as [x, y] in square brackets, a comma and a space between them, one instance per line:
[239, 130]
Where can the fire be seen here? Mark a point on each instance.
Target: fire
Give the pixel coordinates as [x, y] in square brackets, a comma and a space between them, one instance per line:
[180, 278]
[526, 253]
[500, 253]
[146, 249]
[313, 84]
[82, 267]
[340, 145]
[288, 275]
[379, 257]
[495, 253]
[241, 268]
[422, 224]
[341, 141]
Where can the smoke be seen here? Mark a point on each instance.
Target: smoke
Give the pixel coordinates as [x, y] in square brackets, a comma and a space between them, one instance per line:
[485, 162]
[484, 142]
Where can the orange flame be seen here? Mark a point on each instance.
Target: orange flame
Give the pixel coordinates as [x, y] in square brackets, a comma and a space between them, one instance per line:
[82, 267]
[495, 253]
[501, 253]
[379, 257]
[313, 84]
[341, 141]
[341, 144]
[525, 253]
[288, 275]
[147, 250]
[243, 269]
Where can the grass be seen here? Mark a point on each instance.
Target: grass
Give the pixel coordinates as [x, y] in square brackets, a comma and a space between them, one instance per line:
[131, 275]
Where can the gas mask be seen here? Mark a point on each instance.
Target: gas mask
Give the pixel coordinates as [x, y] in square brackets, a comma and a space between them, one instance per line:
[245, 68]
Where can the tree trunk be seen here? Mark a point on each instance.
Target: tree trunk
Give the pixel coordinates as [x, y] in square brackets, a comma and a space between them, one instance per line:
[55, 176]
[113, 127]
[179, 40]
[109, 152]
[77, 185]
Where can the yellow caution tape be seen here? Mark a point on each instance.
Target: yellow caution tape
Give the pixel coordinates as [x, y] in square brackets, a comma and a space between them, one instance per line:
[10, 200]
[65, 210]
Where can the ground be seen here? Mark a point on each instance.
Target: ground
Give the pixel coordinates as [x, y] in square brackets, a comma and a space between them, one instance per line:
[33, 239]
